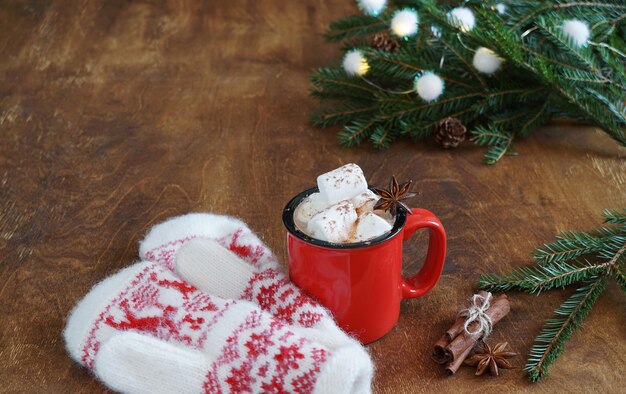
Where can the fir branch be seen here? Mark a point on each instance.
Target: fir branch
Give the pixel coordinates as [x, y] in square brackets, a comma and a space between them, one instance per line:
[496, 152]
[573, 244]
[326, 80]
[383, 135]
[508, 117]
[592, 4]
[465, 61]
[530, 15]
[536, 279]
[341, 113]
[581, 54]
[549, 59]
[355, 132]
[415, 108]
[533, 14]
[354, 26]
[535, 119]
[611, 128]
[556, 268]
[426, 128]
[619, 272]
[490, 135]
[615, 216]
[557, 330]
[396, 59]
[542, 70]
[618, 256]
[502, 98]
[499, 140]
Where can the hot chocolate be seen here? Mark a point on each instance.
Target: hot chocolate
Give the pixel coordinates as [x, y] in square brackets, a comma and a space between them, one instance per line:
[343, 209]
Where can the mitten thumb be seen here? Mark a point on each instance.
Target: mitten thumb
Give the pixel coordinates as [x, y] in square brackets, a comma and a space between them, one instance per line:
[213, 269]
[136, 364]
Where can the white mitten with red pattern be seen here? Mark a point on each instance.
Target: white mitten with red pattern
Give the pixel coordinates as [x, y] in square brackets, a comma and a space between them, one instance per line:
[222, 256]
[144, 330]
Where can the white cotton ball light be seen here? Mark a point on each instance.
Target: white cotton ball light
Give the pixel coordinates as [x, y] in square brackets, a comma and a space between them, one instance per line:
[372, 7]
[354, 63]
[501, 8]
[462, 18]
[486, 61]
[436, 31]
[404, 23]
[577, 31]
[429, 86]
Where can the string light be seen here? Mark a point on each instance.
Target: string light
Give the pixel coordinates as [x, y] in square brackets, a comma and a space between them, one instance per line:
[372, 7]
[462, 18]
[354, 63]
[486, 61]
[577, 31]
[429, 86]
[404, 23]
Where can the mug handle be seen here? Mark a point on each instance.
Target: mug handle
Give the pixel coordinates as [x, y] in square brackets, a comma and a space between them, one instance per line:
[423, 281]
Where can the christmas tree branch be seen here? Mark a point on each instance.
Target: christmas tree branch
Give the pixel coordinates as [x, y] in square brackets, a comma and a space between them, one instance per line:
[620, 274]
[571, 244]
[354, 26]
[383, 135]
[517, 69]
[325, 116]
[415, 108]
[355, 132]
[326, 79]
[557, 330]
[555, 267]
[615, 216]
[536, 279]
[535, 119]
[548, 7]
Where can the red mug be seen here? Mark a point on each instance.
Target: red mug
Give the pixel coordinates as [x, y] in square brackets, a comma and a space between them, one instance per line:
[361, 283]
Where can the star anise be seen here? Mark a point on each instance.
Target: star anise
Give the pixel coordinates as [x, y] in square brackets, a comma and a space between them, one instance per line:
[490, 358]
[391, 199]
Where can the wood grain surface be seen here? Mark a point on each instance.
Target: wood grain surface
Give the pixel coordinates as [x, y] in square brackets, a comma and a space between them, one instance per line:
[115, 115]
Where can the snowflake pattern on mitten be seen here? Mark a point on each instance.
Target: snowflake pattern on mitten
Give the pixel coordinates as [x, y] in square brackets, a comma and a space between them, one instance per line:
[260, 354]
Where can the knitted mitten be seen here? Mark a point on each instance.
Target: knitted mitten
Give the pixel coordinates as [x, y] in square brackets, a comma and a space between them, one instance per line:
[248, 272]
[143, 330]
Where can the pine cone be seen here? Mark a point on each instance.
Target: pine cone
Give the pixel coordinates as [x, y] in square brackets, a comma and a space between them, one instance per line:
[450, 132]
[384, 42]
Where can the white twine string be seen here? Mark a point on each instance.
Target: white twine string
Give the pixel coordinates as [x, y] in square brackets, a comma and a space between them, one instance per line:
[477, 313]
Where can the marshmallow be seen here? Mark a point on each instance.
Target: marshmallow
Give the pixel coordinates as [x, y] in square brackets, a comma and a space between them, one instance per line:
[370, 226]
[365, 202]
[333, 224]
[309, 207]
[342, 183]
[389, 218]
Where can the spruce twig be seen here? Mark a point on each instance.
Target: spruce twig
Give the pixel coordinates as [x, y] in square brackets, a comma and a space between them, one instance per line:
[558, 264]
[557, 330]
[544, 74]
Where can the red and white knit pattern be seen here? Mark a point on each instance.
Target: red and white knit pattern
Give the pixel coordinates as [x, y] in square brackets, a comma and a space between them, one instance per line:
[260, 353]
[273, 292]
[241, 241]
[157, 303]
[269, 288]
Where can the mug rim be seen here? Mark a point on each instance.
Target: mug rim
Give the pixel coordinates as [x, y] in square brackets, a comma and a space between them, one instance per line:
[290, 224]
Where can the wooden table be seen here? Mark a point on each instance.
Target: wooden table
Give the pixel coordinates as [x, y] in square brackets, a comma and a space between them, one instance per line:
[115, 115]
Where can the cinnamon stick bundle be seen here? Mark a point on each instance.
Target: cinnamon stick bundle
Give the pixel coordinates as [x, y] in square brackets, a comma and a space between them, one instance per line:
[455, 344]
